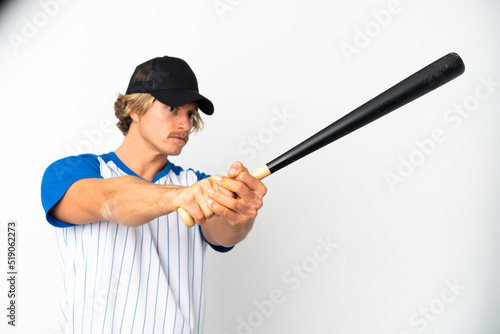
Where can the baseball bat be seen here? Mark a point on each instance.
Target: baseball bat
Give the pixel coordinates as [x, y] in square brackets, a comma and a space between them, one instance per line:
[418, 84]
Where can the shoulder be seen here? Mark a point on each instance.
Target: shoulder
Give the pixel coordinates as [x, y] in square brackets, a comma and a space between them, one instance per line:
[72, 165]
[190, 171]
[181, 176]
[61, 174]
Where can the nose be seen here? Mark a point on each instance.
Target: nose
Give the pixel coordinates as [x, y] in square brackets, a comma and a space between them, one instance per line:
[183, 121]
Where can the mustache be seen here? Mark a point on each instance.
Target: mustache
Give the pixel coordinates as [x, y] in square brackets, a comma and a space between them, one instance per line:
[184, 135]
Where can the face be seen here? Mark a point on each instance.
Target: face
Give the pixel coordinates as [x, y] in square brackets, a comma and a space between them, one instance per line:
[166, 129]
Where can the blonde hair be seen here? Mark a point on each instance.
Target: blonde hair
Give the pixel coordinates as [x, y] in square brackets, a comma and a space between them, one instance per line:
[140, 103]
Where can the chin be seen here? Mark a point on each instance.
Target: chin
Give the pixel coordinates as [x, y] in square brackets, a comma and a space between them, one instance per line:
[171, 149]
[174, 152]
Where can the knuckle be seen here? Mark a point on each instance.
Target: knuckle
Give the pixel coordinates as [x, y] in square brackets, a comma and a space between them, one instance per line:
[203, 184]
[218, 211]
[264, 190]
[198, 217]
[240, 220]
[225, 212]
[197, 187]
[239, 206]
[209, 214]
[239, 187]
[241, 176]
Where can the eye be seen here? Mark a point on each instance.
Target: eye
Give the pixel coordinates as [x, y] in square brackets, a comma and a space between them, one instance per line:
[174, 109]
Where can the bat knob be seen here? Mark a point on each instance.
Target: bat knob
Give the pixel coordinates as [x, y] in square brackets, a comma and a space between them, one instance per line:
[185, 217]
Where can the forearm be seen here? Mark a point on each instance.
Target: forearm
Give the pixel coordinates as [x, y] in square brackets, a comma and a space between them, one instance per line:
[133, 202]
[130, 201]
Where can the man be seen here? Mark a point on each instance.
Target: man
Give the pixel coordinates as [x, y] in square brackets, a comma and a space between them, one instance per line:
[129, 264]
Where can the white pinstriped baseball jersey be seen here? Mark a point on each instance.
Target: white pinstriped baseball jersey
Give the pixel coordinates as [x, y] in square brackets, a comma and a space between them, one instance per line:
[116, 279]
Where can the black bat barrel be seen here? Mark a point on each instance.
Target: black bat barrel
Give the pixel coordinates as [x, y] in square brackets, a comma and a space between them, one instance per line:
[422, 82]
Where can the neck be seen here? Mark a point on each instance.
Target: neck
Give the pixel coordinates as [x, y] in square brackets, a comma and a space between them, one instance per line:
[140, 157]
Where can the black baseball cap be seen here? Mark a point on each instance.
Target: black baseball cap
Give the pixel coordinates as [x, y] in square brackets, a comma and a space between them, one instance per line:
[171, 81]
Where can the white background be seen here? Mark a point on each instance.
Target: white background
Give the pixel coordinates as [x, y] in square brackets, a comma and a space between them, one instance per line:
[399, 246]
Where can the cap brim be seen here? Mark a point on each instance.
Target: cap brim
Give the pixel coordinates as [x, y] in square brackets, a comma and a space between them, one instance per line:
[179, 97]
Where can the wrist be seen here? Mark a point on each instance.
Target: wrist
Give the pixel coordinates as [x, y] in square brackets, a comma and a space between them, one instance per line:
[170, 197]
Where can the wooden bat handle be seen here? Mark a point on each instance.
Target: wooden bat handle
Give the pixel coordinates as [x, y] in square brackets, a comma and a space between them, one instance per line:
[186, 218]
[261, 172]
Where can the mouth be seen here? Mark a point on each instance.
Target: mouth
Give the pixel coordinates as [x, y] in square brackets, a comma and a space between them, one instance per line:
[179, 139]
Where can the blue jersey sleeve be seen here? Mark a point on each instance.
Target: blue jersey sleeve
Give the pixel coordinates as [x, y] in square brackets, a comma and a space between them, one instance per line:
[60, 175]
[201, 175]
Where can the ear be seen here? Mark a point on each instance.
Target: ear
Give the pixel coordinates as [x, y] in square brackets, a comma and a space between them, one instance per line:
[135, 116]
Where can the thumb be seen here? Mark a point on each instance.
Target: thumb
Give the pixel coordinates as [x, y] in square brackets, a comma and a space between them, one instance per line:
[235, 169]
